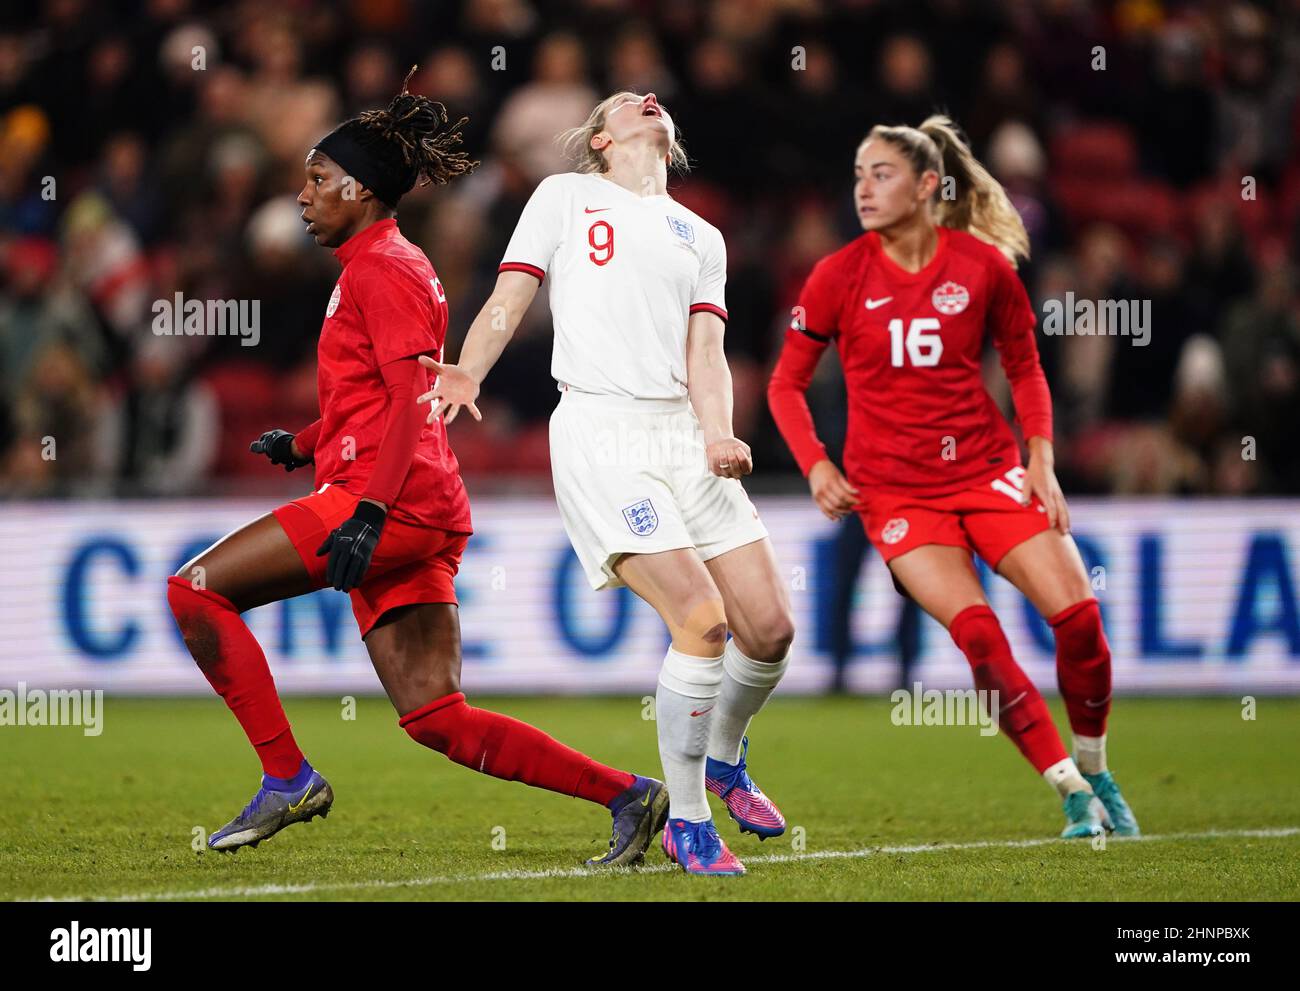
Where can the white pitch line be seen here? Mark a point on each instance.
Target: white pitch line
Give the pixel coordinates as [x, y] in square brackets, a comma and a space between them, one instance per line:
[581, 872]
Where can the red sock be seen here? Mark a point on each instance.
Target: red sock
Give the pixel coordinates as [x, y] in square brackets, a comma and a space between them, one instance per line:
[507, 748]
[232, 661]
[1023, 715]
[1083, 666]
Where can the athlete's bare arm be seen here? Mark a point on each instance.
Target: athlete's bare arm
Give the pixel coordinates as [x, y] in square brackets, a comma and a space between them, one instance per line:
[708, 380]
[458, 384]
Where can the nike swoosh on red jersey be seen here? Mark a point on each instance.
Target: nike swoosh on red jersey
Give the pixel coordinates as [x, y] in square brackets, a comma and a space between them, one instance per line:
[587, 209]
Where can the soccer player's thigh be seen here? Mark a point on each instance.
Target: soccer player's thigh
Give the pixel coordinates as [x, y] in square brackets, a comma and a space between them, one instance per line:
[1049, 570]
[755, 598]
[251, 566]
[940, 578]
[680, 589]
[926, 550]
[415, 650]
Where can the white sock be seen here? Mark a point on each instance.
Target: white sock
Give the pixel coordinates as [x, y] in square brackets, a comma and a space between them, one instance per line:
[685, 704]
[1065, 778]
[1090, 753]
[746, 685]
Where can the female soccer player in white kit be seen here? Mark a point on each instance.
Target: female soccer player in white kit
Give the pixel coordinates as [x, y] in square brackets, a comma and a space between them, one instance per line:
[645, 466]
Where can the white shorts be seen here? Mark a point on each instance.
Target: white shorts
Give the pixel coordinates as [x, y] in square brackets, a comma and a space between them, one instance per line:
[631, 477]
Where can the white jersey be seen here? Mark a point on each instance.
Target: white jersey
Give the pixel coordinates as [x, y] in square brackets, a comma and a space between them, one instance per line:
[626, 273]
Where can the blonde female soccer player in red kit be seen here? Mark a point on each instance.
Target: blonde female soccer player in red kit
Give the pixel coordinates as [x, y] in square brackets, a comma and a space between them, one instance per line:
[646, 469]
[933, 468]
[390, 517]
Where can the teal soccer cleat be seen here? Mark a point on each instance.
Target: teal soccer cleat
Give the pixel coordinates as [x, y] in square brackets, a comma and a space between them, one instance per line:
[1085, 816]
[1105, 788]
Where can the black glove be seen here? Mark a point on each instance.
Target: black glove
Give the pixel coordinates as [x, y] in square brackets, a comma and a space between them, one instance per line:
[278, 446]
[351, 544]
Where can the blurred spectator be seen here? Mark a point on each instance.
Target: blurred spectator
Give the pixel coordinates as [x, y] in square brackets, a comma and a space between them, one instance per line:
[637, 63]
[723, 117]
[1257, 100]
[371, 79]
[1178, 104]
[161, 154]
[104, 261]
[451, 76]
[905, 91]
[1142, 374]
[1260, 337]
[37, 310]
[825, 117]
[160, 436]
[127, 186]
[54, 422]
[27, 199]
[559, 97]
[1005, 95]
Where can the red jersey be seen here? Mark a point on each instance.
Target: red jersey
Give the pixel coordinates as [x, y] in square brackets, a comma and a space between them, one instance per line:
[388, 305]
[919, 418]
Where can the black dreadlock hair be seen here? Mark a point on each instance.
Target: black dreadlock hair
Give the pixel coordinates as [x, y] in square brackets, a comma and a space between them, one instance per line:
[410, 141]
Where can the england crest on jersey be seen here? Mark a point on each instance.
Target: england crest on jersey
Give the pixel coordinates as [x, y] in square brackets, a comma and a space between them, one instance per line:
[682, 229]
[641, 518]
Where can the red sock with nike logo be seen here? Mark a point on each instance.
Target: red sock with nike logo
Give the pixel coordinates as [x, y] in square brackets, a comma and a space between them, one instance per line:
[506, 748]
[1083, 666]
[232, 660]
[1023, 715]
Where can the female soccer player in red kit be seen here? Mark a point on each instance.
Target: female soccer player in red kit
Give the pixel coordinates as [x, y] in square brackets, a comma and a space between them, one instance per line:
[933, 468]
[390, 516]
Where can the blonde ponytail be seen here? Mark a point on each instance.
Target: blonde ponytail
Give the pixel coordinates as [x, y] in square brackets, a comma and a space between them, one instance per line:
[977, 204]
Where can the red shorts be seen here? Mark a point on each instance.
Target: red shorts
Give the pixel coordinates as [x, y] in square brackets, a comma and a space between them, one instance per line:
[411, 564]
[987, 520]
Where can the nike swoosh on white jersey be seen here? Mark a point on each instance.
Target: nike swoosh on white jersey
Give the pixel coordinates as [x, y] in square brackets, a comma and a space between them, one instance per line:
[875, 303]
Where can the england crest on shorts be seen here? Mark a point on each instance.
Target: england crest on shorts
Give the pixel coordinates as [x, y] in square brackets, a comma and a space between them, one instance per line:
[641, 518]
[682, 229]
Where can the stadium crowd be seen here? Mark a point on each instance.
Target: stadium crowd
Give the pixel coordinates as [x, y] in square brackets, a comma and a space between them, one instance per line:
[155, 147]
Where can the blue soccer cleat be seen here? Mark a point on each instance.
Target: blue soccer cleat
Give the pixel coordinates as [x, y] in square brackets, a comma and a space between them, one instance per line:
[272, 809]
[698, 848]
[745, 801]
[1085, 816]
[1121, 816]
[639, 813]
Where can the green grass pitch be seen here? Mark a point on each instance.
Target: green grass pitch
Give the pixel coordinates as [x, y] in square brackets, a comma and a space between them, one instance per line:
[877, 811]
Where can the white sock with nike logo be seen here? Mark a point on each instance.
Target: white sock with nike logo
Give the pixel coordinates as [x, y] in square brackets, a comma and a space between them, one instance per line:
[685, 704]
[746, 686]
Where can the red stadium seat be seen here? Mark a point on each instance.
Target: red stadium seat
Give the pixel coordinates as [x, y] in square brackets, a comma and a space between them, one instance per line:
[247, 395]
[528, 452]
[1139, 207]
[1097, 151]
